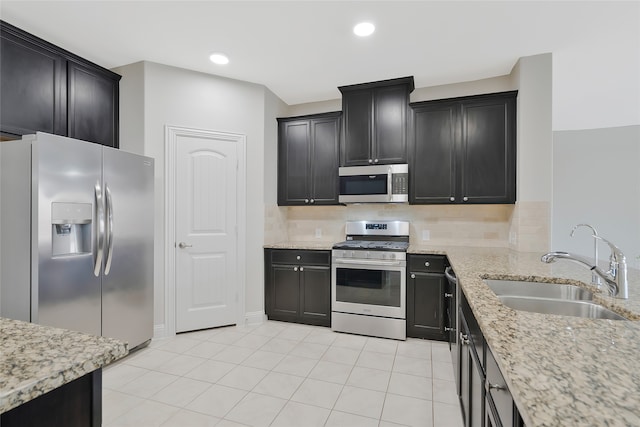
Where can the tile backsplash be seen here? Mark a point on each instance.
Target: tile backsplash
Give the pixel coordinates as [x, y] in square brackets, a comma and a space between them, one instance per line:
[524, 226]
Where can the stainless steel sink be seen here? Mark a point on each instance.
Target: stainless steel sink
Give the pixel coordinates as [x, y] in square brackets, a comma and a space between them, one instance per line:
[521, 288]
[558, 306]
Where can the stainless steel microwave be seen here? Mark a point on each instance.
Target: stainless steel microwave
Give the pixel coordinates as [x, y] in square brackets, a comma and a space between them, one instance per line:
[374, 184]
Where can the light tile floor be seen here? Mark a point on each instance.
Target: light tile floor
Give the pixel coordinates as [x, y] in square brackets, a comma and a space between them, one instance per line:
[281, 374]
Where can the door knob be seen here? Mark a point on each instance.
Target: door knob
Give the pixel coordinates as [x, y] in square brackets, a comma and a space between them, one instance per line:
[183, 245]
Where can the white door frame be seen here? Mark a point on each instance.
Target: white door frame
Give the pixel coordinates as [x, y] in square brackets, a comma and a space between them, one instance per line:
[171, 139]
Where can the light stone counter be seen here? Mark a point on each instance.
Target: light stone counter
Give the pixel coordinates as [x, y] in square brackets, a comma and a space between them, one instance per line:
[561, 371]
[302, 245]
[36, 359]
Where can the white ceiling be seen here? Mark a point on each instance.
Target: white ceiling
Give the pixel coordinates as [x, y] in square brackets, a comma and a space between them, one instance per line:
[304, 50]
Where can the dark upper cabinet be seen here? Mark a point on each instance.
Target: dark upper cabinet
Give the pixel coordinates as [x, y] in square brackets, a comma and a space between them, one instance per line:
[33, 85]
[464, 150]
[375, 122]
[308, 159]
[48, 89]
[434, 161]
[92, 104]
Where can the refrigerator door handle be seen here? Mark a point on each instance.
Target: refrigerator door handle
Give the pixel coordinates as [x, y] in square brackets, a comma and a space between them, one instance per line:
[98, 230]
[109, 228]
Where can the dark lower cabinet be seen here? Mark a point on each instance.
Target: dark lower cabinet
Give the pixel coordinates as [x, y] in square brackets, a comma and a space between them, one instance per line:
[485, 400]
[75, 404]
[298, 286]
[427, 296]
[463, 150]
[471, 378]
[48, 89]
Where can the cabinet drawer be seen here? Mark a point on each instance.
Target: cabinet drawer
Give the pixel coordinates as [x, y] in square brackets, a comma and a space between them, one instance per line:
[427, 263]
[497, 389]
[300, 257]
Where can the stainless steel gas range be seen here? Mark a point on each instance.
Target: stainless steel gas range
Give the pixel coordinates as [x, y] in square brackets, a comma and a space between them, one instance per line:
[368, 279]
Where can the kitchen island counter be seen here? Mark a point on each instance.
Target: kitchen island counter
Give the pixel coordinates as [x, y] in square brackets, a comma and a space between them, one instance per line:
[36, 359]
[561, 370]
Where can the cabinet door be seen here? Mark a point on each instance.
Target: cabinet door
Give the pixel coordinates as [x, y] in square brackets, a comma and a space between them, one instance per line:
[476, 393]
[471, 391]
[285, 292]
[93, 105]
[315, 295]
[425, 306]
[33, 86]
[464, 371]
[293, 162]
[433, 162]
[390, 125]
[357, 108]
[487, 157]
[325, 135]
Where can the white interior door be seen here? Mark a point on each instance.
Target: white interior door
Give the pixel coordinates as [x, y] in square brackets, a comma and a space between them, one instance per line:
[206, 231]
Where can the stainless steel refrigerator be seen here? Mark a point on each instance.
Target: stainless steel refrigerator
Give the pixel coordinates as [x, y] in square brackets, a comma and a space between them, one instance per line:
[76, 231]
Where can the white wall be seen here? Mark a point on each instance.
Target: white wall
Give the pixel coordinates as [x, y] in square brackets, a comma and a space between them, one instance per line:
[597, 181]
[533, 75]
[179, 97]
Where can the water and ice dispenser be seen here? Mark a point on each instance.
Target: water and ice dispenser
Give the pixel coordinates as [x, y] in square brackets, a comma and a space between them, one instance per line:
[71, 228]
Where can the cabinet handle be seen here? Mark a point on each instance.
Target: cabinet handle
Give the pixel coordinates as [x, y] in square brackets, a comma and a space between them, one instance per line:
[295, 268]
[453, 199]
[298, 257]
[301, 268]
[496, 387]
[413, 276]
[375, 161]
[464, 339]
[464, 199]
[447, 329]
[448, 295]
[427, 264]
[306, 200]
[311, 201]
[370, 160]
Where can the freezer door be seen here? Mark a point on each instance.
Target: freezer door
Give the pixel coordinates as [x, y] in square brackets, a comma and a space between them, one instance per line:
[66, 292]
[127, 283]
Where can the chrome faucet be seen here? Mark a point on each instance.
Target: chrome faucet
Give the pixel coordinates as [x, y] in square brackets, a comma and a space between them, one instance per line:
[615, 278]
[595, 279]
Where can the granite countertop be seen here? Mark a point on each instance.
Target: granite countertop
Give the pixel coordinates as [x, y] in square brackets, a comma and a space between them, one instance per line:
[316, 245]
[561, 371]
[36, 359]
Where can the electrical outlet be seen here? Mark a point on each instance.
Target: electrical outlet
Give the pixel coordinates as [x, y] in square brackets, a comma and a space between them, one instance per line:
[318, 233]
[426, 235]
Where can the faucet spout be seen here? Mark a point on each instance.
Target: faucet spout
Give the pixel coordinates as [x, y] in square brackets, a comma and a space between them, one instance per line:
[615, 279]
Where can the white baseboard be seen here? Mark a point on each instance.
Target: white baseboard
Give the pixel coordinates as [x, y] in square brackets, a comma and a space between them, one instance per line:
[254, 318]
[160, 331]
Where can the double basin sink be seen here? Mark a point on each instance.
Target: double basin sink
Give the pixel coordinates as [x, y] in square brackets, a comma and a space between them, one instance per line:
[550, 298]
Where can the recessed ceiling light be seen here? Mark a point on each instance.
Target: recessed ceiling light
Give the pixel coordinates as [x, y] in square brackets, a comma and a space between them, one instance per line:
[219, 58]
[364, 29]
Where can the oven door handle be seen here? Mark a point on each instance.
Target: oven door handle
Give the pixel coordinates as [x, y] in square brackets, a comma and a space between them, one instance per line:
[369, 262]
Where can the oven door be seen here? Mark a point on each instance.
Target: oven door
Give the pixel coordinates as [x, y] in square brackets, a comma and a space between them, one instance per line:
[369, 287]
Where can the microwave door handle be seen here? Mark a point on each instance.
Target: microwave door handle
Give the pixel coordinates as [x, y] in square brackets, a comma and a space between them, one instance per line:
[389, 183]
